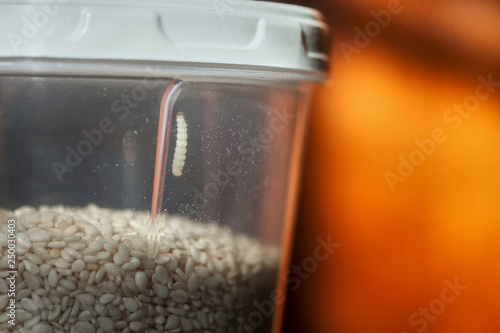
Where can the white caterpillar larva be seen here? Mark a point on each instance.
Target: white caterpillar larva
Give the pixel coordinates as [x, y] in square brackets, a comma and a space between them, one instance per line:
[180, 146]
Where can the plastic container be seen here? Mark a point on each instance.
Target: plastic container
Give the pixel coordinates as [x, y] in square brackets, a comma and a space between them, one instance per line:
[149, 162]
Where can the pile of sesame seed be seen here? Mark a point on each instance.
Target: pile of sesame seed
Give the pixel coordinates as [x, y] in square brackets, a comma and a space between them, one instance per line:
[92, 270]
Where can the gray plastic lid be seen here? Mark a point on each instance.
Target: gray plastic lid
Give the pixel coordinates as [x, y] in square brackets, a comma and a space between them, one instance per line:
[209, 33]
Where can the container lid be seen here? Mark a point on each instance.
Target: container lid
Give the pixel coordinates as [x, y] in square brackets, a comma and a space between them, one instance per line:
[209, 33]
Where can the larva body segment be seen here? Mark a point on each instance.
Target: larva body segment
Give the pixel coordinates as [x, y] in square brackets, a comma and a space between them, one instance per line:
[180, 146]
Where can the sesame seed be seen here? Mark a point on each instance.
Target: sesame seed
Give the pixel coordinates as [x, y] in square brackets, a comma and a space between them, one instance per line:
[106, 324]
[86, 299]
[29, 305]
[130, 304]
[141, 280]
[179, 296]
[173, 322]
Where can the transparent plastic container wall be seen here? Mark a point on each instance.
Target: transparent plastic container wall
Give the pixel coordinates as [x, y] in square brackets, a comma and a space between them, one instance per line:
[149, 162]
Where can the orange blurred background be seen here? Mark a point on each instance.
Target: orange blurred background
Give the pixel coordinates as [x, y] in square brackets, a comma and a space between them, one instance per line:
[405, 240]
